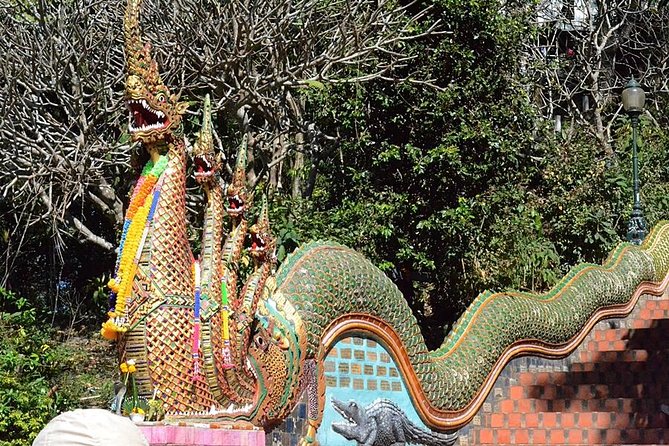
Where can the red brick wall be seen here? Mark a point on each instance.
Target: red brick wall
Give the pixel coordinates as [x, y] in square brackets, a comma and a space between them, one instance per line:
[610, 391]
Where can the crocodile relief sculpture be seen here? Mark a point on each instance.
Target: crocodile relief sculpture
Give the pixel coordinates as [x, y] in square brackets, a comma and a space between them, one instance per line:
[383, 423]
[213, 351]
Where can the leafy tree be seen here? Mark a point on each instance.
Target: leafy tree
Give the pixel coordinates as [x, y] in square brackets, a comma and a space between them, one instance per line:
[467, 186]
[419, 172]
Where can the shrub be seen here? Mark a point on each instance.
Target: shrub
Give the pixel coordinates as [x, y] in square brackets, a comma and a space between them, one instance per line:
[39, 377]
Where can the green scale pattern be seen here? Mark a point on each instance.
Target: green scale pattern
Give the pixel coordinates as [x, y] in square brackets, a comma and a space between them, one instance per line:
[324, 280]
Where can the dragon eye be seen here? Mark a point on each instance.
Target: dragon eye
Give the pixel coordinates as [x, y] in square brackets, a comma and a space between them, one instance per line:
[260, 342]
[160, 97]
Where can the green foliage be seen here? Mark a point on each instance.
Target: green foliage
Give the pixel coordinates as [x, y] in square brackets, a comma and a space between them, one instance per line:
[426, 182]
[38, 376]
[25, 363]
[465, 188]
[283, 227]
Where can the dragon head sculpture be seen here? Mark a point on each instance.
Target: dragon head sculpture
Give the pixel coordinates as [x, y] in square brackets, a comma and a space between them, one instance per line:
[238, 197]
[267, 362]
[275, 358]
[269, 359]
[207, 162]
[276, 355]
[262, 240]
[154, 112]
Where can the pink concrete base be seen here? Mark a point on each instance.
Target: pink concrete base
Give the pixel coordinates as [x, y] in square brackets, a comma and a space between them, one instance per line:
[168, 435]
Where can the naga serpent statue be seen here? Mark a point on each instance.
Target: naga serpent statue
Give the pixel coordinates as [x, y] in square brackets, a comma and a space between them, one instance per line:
[213, 354]
[154, 272]
[218, 267]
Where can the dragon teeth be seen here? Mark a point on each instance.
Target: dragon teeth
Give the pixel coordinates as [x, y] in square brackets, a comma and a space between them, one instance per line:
[230, 410]
[146, 106]
[132, 128]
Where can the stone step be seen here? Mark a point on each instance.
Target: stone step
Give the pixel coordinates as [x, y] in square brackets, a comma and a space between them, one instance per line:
[611, 390]
[539, 428]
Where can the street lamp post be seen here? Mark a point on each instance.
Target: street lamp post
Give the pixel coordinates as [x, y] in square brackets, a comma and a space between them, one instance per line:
[634, 99]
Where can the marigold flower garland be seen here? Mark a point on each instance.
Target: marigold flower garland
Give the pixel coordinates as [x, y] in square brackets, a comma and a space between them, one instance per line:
[135, 229]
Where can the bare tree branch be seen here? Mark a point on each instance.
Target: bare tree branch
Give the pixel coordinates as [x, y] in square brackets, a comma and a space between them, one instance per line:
[63, 143]
[61, 113]
[256, 54]
[586, 52]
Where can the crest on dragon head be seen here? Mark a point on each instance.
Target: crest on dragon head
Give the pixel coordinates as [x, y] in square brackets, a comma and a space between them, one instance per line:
[154, 112]
[207, 162]
[238, 196]
[261, 239]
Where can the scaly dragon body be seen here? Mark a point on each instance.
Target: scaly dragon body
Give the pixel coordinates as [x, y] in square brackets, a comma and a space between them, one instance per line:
[213, 321]
[325, 291]
[168, 311]
[218, 261]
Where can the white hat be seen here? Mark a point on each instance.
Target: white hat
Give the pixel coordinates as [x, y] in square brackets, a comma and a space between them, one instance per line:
[90, 427]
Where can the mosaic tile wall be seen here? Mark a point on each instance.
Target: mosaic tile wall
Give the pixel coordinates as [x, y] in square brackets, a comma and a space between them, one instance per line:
[613, 390]
[355, 369]
[361, 364]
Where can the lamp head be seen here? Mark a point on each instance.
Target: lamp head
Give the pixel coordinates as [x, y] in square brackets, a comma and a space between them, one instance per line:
[634, 98]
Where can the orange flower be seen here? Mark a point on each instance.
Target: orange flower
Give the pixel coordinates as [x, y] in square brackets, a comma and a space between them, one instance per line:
[108, 333]
[113, 285]
[139, 198]
[136, 220]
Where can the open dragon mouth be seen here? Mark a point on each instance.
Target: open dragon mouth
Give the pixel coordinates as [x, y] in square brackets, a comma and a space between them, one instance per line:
[203, 168]
[143, 118]
[235, 205]
[258, 245]
[232, 412]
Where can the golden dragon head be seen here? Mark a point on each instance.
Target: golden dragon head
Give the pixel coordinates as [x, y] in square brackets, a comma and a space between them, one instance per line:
[155, 113]
[275, 359]
[207, 161]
